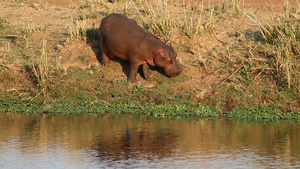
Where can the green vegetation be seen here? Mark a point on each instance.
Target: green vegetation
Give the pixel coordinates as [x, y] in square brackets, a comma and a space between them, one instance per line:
[115, 107]
[255, 70]
[260, 113]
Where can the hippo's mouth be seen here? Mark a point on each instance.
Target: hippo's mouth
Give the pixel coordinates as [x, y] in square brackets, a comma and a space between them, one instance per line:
[174, 73]
[173, 70]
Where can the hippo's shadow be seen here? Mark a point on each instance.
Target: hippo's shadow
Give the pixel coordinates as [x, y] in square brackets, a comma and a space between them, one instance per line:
[126, 67]
[93, 40]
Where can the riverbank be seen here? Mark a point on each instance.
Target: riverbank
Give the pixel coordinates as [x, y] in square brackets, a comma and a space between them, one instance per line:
[236, 60]
[174, 108]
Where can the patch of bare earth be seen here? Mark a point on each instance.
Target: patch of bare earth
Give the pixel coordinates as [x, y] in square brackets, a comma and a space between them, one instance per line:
[56, 16]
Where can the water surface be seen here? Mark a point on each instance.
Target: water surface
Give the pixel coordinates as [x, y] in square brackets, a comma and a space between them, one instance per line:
[120, 141]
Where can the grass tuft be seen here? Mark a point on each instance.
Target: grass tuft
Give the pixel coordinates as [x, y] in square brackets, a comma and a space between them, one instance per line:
[40, 70]
[30, 28]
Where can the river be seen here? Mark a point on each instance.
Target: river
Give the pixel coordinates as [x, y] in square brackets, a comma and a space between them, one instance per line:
[128, 141]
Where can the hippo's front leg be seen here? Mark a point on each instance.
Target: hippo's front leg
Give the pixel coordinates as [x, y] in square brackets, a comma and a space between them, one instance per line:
[133, 71]
[146, 71]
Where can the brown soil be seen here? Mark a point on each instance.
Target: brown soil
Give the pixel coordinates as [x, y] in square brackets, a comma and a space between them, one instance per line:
[55, 16]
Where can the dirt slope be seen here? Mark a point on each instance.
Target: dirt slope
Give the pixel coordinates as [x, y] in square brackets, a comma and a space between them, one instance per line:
[203, 70]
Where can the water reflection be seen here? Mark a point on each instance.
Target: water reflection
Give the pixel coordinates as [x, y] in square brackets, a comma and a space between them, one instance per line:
[134, 140]
[96, 141]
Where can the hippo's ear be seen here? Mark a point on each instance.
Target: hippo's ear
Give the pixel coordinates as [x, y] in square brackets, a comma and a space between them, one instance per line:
[163, 55]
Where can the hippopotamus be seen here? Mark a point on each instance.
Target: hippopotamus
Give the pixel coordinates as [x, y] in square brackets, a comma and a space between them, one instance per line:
[123, 38]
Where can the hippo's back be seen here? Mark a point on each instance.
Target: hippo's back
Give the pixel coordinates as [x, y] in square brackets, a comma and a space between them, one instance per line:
[120, 28]
[121, 36]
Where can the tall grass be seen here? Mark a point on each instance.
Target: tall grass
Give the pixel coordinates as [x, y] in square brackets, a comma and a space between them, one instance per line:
[40, 69]
[193, 21]
[161, 17]
[282, 38]
[281, 44]
[157, 18]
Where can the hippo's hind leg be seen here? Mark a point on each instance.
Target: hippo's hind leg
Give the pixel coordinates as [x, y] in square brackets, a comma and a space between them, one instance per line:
[104, 51]
[146, 70]
[105, 59]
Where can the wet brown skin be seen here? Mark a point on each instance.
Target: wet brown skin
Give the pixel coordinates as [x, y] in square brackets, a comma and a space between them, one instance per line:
[121, 37]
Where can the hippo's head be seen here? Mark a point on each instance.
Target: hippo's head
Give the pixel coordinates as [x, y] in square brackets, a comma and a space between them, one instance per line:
[166, 58]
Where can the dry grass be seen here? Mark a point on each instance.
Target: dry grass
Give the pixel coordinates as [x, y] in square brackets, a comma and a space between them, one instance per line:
[282, 44]
[3, 22]
[31, 27]
[156, 17]
[40, 69]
